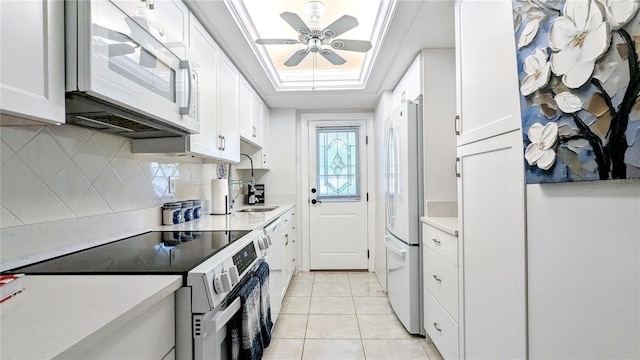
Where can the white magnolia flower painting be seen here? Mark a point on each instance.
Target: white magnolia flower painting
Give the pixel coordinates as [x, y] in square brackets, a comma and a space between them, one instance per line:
[579, 73]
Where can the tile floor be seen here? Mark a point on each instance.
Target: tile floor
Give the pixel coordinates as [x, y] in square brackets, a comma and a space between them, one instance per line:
[341, 315]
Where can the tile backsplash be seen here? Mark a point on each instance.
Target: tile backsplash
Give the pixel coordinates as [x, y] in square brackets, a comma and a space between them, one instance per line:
[53, 173]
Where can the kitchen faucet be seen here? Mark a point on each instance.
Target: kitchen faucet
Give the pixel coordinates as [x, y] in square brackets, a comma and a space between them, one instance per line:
[251, 182]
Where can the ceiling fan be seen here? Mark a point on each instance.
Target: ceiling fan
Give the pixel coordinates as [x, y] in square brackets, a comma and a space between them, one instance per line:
[315, 36]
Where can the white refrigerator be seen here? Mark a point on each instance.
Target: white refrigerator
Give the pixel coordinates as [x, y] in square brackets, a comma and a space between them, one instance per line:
[404, 204]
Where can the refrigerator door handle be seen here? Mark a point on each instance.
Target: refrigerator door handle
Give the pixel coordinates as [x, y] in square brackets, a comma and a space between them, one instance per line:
[394, 249]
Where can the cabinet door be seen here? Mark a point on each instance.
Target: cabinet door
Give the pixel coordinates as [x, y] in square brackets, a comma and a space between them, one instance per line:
[487, 97]
[256, 119]
[413, 79]
[491, 209]
[265, 136]
[399, 95]
[32, 58]
[245, 109]
[228, 124]
[173, 20]
[205, 56]
[168, 20]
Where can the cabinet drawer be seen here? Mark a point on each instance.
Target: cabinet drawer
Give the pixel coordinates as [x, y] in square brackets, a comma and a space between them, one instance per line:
[442, 329]
[441, 279]
[441, 242]
[288, 217]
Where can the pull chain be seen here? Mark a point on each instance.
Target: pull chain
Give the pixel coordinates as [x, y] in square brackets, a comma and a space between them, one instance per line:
[313, 73]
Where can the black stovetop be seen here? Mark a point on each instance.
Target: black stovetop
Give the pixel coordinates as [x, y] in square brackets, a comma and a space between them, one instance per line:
[154, 253]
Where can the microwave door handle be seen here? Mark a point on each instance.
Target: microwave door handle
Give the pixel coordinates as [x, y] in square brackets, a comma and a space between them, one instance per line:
[186, 64]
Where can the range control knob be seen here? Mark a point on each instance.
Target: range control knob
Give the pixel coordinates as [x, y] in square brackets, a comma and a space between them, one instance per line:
[264, 243]
[222, 282]
[268, 240]
[233, 274]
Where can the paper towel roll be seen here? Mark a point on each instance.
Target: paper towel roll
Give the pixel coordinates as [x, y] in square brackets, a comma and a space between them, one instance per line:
[219, 196]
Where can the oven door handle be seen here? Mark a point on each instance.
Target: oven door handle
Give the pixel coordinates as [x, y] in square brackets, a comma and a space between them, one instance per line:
[220, 319]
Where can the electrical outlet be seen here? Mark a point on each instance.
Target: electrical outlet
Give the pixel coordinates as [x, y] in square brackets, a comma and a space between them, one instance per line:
[172, 185]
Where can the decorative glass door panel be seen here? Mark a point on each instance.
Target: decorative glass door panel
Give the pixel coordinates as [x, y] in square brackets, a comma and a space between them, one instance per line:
[338, 173]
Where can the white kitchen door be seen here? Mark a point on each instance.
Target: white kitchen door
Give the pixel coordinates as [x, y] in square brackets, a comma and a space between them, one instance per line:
[337, 195]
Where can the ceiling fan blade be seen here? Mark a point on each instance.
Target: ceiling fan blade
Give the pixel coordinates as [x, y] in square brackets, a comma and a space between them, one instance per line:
[297, 57]
[276, 41]
[333, 58]
[351, 45]
[342, 25]
[296, 22]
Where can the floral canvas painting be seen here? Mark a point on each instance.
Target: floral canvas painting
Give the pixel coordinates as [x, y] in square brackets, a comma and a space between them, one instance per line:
[579, 74]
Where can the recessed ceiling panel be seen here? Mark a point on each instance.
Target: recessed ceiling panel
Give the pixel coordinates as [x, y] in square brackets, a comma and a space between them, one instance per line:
[300, 51]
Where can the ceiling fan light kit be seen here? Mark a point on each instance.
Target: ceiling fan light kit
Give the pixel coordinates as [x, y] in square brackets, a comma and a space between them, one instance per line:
[315, 36]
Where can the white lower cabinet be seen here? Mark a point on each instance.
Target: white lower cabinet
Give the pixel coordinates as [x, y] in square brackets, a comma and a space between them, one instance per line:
[441, 285]
[282, 260]
[442, 329]
[441, 279]
[150, 336]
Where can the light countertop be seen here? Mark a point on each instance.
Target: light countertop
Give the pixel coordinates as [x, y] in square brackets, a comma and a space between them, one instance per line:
[446, 224]
[237, 220]
[59, 313]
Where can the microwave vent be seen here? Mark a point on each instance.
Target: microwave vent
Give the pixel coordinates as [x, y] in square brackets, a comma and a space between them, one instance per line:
[96, 114]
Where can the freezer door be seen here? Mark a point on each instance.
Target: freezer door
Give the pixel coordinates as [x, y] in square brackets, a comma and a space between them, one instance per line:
[402, 173]
[403, 282]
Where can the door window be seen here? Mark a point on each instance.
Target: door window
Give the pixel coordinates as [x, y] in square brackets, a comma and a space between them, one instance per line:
[338, 171]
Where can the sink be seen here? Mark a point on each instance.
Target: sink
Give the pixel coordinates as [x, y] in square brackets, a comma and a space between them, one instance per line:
[258, 209]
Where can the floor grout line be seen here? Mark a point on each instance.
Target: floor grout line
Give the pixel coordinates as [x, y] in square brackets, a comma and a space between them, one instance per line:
[360, 338]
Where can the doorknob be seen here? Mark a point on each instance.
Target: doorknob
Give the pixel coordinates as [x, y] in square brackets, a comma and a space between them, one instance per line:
[313, 190]
[314, 201]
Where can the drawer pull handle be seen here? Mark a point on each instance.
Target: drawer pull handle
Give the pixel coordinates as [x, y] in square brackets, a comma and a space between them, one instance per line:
[435, 325]
[437, 278]
[436, 241]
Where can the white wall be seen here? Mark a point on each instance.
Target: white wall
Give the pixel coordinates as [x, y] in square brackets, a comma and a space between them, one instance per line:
[282, 178]
[382, 111]
[54, 177]
[439, 110]
[584, 270]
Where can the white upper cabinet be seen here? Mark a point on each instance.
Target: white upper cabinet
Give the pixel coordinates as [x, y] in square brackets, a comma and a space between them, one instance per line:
[486, 70]
[256, 119]
[251, 114]
[32, 58]
[246, 125]
[167, 20]
[219, 137]
[410, 86]
[413, 79]
[205, 56]
[228, 121]
[265, 136]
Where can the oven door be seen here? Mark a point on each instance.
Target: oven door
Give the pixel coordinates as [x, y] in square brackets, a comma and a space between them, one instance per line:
[119, 60]
[211, 333]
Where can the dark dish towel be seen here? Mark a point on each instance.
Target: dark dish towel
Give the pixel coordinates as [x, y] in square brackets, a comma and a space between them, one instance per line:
[246, 333]
[262, 273]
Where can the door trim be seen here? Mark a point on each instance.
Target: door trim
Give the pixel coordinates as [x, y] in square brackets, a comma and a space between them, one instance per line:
[303, 194]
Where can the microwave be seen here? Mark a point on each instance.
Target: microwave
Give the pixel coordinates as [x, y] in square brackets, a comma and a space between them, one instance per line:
[121, 77]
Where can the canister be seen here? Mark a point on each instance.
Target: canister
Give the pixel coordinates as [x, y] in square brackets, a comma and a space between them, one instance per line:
[171, 213]
[197, 209]
[187, 210]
